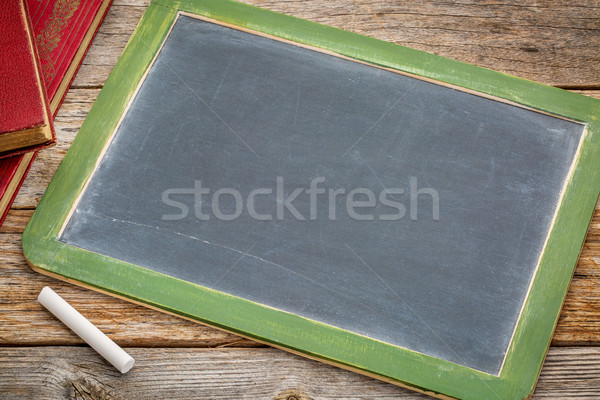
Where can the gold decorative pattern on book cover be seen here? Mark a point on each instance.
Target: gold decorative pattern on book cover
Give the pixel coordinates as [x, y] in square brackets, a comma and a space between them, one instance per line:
[50, 37]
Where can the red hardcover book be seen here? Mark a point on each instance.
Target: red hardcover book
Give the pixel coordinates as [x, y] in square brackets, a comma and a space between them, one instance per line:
[63, 30]
[25, 122]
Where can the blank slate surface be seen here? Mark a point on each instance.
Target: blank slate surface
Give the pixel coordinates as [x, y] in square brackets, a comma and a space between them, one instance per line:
[222, 109]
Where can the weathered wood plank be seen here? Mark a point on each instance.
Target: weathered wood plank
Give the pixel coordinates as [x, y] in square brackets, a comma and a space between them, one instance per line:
[557, 43]
[23, 321]
[159, 373]
[592, 93]
[16, 220]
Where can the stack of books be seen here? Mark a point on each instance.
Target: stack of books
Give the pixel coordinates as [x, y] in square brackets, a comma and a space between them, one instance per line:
[42, 43]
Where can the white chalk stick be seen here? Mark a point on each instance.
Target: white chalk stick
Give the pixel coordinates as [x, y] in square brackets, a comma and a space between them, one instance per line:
[86, 330]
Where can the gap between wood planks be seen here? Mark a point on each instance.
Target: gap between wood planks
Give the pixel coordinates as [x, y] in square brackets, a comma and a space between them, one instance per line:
[265, 373]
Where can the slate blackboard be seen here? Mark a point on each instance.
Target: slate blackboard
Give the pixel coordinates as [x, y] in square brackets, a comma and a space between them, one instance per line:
[389, 211]
[227, 109]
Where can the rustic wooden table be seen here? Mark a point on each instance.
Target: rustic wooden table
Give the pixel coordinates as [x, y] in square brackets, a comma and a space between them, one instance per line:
[557, 43]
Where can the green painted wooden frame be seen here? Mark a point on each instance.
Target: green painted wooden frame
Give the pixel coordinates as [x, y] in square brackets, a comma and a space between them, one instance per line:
[441, 378]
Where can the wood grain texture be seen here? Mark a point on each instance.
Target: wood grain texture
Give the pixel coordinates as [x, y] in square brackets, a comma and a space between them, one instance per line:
[556, 43]
[128, 324]
[79, 373]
